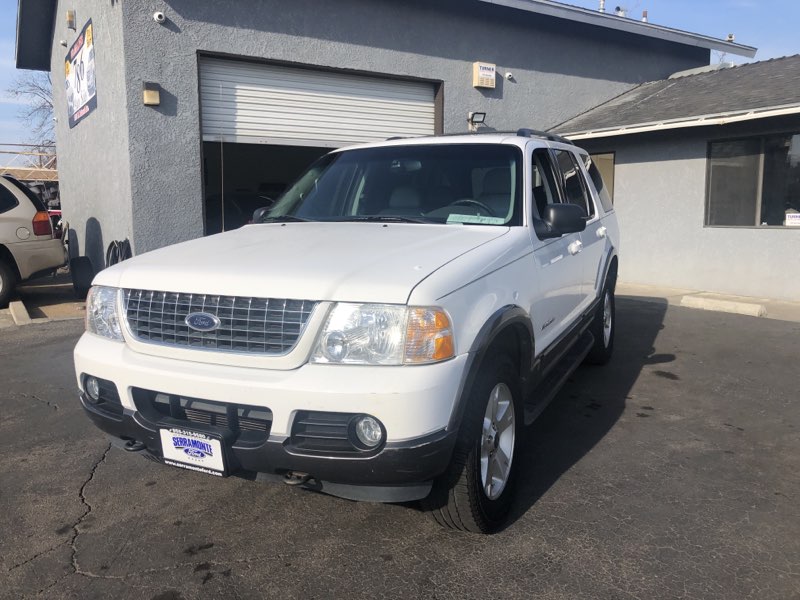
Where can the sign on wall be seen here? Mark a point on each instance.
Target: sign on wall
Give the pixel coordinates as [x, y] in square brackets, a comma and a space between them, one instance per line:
[79, 74]
[483, 75]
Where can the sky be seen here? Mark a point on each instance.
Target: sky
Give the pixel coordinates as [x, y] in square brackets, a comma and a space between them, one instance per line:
[769, 25]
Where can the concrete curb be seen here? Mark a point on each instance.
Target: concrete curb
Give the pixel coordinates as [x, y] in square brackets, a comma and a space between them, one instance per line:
[728, 306]
[19, 313]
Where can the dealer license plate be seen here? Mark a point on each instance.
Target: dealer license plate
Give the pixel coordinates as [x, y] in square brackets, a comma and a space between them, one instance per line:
[192, 450]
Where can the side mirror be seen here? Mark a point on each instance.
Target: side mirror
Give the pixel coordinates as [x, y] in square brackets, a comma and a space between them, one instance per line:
[560, 219]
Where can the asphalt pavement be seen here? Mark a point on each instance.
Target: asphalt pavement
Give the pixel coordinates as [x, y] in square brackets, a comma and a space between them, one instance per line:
[673, 472]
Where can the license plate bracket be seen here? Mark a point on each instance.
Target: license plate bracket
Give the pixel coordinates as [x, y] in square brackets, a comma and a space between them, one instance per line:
[193, 450]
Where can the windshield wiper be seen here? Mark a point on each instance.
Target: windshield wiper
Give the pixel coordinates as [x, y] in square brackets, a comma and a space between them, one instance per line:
[283, 219]
[385, 219]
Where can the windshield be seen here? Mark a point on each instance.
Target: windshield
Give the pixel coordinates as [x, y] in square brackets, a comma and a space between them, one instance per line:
[443, 183]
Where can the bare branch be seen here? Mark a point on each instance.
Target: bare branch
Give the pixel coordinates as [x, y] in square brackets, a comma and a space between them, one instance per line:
[34, 91]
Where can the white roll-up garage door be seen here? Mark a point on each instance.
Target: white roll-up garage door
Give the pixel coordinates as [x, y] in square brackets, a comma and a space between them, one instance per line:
[252, 103]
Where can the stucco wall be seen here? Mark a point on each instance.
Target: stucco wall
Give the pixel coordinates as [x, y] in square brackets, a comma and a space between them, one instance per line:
[93, 165]
[559, 72]
[660, 195]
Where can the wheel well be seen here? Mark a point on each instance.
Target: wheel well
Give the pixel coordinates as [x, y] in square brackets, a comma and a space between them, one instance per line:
[612, 271]
[8, 258]
[514, 340]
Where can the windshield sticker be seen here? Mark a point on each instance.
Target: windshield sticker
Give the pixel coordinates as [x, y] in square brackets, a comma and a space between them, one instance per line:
[476, 220]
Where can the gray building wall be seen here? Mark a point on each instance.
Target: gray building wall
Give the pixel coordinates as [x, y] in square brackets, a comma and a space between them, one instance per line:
[93, 165]
[560, 69]
[660, 198]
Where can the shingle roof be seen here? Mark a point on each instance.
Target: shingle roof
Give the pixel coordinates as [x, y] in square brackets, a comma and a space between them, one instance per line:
[748, 87]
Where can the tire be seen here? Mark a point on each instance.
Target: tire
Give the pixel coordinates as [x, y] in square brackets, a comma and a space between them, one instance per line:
[8, 280]
[459, 498]
[82, 275]
[603, 328]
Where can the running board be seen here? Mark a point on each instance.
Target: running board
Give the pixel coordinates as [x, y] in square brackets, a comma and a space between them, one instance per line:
[544, 393]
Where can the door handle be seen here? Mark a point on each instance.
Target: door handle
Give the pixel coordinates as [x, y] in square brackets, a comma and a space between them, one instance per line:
[575, 247]
[601, 232]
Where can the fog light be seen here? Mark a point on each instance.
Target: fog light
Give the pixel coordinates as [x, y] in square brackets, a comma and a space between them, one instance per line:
[369, 431]
[92, 388]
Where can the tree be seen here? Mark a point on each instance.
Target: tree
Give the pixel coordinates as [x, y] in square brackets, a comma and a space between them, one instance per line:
[34, 91]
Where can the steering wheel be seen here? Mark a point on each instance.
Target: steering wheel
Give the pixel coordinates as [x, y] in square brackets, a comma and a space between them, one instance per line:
[471, 202]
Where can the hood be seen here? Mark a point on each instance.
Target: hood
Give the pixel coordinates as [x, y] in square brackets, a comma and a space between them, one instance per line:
[356, 262]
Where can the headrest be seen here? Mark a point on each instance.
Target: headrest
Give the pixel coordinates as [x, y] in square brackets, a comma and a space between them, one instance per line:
[497, 181]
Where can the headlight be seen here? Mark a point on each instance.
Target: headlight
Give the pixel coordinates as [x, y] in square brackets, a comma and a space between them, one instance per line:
[101, 312]
[384, 334]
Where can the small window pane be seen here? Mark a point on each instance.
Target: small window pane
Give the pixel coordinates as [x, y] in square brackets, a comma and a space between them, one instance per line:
[7, 199]
[733, 182]
[781, 185]
[574, 188]
[601, 170]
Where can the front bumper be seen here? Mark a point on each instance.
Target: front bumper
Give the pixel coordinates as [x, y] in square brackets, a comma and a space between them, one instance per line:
[413, 403]
[399, 472]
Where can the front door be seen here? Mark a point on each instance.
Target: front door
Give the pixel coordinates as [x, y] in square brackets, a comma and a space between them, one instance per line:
[558, 262]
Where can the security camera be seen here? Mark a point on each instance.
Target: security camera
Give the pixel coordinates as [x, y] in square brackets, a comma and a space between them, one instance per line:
[159, 17]
[510, 76]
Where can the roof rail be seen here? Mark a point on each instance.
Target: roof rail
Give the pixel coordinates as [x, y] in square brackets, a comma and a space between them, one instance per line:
[543, 134]
[394, 137]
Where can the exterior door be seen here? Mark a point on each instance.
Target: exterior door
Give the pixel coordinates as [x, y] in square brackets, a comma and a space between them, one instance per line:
[256, 103]
[559, 300]
[589, 250]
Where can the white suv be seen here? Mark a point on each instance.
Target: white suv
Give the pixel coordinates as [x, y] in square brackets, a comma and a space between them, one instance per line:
[384, 333]
[27, 246]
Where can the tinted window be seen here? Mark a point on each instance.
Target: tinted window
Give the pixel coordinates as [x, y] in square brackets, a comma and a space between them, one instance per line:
[545, 190]
[574, 186]
[35, 200]
[754, 182]
[7, 199]
[599, 183]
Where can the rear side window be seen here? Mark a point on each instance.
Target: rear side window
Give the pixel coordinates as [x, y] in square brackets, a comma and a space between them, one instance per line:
[599, 184]
[35, 200]
[7, 199]
[574, 185]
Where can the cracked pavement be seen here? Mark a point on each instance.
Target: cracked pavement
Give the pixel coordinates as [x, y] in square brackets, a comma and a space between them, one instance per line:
[674, 472]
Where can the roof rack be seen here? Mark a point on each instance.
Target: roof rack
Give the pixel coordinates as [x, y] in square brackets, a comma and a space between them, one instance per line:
[543, 134]
[524, 132]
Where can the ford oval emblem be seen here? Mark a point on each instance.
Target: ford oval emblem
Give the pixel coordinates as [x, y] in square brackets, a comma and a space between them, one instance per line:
[202, 321]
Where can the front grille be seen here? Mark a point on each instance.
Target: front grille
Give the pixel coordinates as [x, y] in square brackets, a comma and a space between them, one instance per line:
[252, 423]
[250, 325]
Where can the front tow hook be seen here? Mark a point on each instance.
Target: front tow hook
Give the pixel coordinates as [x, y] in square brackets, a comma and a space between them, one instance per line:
[134, 446]
[296, 478]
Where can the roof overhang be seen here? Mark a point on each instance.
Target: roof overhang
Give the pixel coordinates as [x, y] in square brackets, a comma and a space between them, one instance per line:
[35, 20]
[685, 122]
[628, 25]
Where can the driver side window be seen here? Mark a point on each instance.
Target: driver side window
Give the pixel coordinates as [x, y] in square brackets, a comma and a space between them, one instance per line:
[544, 187]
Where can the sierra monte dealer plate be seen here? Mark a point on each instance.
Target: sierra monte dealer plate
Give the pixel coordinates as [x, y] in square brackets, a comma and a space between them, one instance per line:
[192, 450]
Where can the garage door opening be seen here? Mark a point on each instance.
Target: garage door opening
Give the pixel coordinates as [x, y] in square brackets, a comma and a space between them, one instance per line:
[240, 178]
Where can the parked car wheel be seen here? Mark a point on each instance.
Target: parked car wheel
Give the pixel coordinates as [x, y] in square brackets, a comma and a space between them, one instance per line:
[82, 275]
[476, 492]
[8, 280]
[603, 328]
